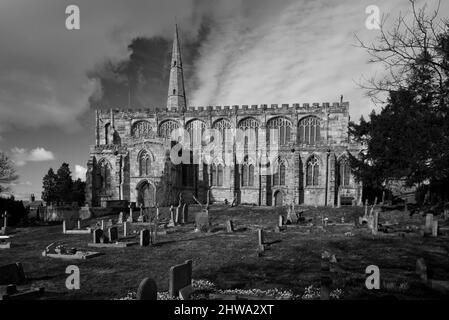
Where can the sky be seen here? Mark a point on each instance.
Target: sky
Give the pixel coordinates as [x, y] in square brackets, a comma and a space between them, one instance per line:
[234, 52]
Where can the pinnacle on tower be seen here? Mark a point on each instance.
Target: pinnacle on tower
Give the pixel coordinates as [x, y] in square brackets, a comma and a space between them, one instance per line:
[176, 94]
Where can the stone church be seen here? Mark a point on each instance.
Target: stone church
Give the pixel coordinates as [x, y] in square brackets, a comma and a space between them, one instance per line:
[130, 161]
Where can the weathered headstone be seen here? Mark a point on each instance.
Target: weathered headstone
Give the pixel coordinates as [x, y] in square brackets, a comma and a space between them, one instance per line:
[130, 212]
[113, 234]
[421, 269]
[435, 228]
[144, 238]
[260, 237]
[98, 233]
[147, 290]
[185, 213]
[180, 277]
[172, 222]
[126, 228]
[375, 222]
[229, 226]
[281, 221]
[12, 274]
[202, 221]
[429, 224]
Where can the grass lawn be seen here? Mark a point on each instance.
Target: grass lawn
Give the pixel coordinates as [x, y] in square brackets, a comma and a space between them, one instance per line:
[230, 260]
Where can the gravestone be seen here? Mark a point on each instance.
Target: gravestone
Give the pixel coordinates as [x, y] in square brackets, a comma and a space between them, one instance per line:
[147, 290]
[375, 222]
[429, 223]
[178, 215]
[435, 228]
[202, 221]
[229, 226]
[180, 277]
[113, 234]
[120, 217]
[281, 221]
[126, 228]
[130, 218]
[98, 233]
[261, 240]
[185, 213]
[144, 238]
[172, 217]
[12, 274]
[421, 269]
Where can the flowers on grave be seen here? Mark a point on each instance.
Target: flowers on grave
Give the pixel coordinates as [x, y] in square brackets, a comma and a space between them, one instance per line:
[203, 285]
[313, 293]
[272, 293]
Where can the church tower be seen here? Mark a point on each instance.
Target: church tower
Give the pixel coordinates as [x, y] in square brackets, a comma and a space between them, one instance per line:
[176, 94]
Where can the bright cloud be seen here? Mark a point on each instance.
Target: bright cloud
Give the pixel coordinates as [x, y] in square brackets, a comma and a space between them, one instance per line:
[80, 172]
[21, 156]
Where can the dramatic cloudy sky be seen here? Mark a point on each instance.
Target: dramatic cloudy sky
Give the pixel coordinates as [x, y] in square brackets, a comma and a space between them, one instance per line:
[235, 52]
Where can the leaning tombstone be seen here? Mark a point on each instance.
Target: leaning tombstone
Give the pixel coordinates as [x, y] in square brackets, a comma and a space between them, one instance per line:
[202, 221]
[147, 290]
[180, 277]
[144, 238]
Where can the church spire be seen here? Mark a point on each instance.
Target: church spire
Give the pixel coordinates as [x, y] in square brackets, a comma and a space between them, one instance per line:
[176, 94]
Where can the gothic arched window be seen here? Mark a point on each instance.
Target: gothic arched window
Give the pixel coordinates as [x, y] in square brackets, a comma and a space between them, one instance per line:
[345, 172]
[144, 164]
[166, 128]
[279, 174]
[247, 175]
[312, 173]
[142, 129]
[196, 129]
[309, 130]
[216, 172]
[224, 127]
[283, 126]
[105, 176]
[251, 128]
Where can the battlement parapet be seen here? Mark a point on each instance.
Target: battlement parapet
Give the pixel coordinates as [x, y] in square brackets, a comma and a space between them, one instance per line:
[157, 112]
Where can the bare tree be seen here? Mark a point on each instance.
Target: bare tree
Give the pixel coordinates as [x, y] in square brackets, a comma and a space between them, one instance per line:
[7, 173]
[408, 43]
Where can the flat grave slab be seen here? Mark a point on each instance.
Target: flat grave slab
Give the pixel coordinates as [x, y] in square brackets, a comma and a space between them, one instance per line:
[79, 255]
[113, 245]
[79, 231]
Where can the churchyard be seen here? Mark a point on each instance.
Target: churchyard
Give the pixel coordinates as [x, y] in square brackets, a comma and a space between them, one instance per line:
[244, 251]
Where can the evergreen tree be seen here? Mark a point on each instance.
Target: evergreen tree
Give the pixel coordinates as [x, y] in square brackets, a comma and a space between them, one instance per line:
[79, 191]
[49, 193]
[64, 184]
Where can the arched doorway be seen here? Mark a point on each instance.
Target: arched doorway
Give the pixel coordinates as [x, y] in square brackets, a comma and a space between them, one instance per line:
[278, 199]
[146, 195]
